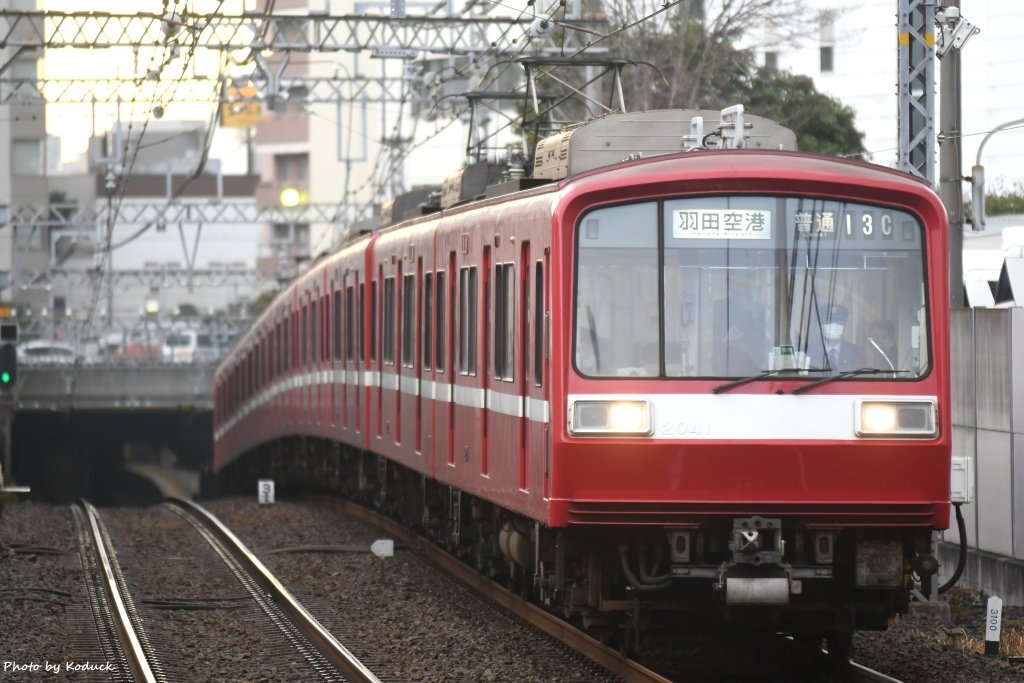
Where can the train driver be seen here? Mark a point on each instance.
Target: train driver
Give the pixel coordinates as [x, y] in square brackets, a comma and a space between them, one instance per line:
[835, 353]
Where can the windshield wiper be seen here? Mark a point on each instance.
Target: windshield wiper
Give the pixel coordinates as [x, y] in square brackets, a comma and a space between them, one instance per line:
[844, 375]
[765, 373]
[735, 383]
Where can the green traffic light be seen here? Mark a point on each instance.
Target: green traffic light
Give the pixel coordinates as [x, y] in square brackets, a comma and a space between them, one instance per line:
[5, 377]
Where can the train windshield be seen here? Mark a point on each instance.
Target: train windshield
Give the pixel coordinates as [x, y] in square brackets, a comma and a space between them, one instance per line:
[735, 286]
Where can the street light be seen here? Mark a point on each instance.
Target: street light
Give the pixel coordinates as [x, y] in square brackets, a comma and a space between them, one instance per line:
[978, 179]
[292, 197]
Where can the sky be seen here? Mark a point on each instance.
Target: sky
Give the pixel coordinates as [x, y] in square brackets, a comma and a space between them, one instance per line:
[993, 90]
[74, 123]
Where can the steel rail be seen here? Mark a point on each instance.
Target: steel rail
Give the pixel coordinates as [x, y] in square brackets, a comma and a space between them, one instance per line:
[602, 655]
[856, 673]
[318, 636]
[130, 644]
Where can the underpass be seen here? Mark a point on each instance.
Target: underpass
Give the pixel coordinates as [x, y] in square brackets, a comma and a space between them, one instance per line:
[114, 433]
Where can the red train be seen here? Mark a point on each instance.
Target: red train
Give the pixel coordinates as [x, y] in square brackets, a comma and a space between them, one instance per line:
[694, 382]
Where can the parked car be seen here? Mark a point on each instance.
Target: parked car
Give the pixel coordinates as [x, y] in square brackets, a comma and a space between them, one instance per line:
[189, 346]
[46, 352]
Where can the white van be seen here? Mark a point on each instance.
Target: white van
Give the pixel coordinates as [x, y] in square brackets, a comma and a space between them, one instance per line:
[188, 346]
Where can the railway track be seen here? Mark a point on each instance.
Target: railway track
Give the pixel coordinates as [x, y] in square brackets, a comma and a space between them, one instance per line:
[855, 673]
[328, 657]
[607, 657]
[118, 628]
[132, 655]
[126, 645]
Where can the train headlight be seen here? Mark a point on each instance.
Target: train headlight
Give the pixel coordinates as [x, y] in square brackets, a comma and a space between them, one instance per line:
[606, 416]
[896, 418]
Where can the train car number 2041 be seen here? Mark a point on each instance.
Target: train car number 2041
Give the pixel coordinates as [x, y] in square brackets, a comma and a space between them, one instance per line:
[697, 427]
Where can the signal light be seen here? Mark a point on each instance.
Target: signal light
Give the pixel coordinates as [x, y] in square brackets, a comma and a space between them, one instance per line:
[8, 366]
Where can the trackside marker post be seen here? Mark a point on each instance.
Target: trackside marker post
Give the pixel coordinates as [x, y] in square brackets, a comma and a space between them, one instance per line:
[993, 625]
[265, 491]
[383, 548]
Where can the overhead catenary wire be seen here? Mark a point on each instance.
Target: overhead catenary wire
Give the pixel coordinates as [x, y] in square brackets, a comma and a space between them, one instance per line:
[374, 177]
[117, 194]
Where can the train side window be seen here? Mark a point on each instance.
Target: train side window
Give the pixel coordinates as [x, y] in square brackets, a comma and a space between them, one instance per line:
[428, 319]
[276, 350]
[361, 322]
[349, 327]
[439, 323]
[538, 325]
[314, 331]
[388, 334]
[326, 326]
[287, 335]
[323, 338]
[408, 330]
[504, 320]
[302, 336]
[373, 321]
[467, 321]
[337, 324]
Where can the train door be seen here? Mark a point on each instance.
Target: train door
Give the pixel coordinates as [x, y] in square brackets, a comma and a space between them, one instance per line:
[407, 390]
[325, 398]
[312, 366]
[416, 357]
[337, 374]
[521, 345]
[533, 468]
[303, 342]
[506, 391]
[427, 437]
[486, 325]
[444, 361]
[353, 384]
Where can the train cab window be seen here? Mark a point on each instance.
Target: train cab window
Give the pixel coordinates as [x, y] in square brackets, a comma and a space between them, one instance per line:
[617, 292]
[734, 286]
[467, 320]
[428, 319]
[440, 324]
[388, 333]
[408, 330]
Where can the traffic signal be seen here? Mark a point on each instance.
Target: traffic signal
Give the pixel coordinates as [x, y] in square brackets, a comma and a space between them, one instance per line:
[8, 366]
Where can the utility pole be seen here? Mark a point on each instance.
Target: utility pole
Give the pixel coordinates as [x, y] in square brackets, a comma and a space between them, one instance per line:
[950, 158]
[918, 45]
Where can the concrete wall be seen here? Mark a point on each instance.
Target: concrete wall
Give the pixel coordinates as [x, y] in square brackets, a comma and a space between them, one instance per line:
[988, 425]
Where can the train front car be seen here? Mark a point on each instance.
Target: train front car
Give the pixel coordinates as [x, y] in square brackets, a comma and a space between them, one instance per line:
[754, 401]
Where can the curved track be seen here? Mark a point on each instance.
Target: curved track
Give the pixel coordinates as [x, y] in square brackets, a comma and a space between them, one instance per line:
[298, 625]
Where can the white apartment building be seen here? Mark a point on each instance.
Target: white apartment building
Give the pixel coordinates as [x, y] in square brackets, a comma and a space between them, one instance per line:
[852, 55]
